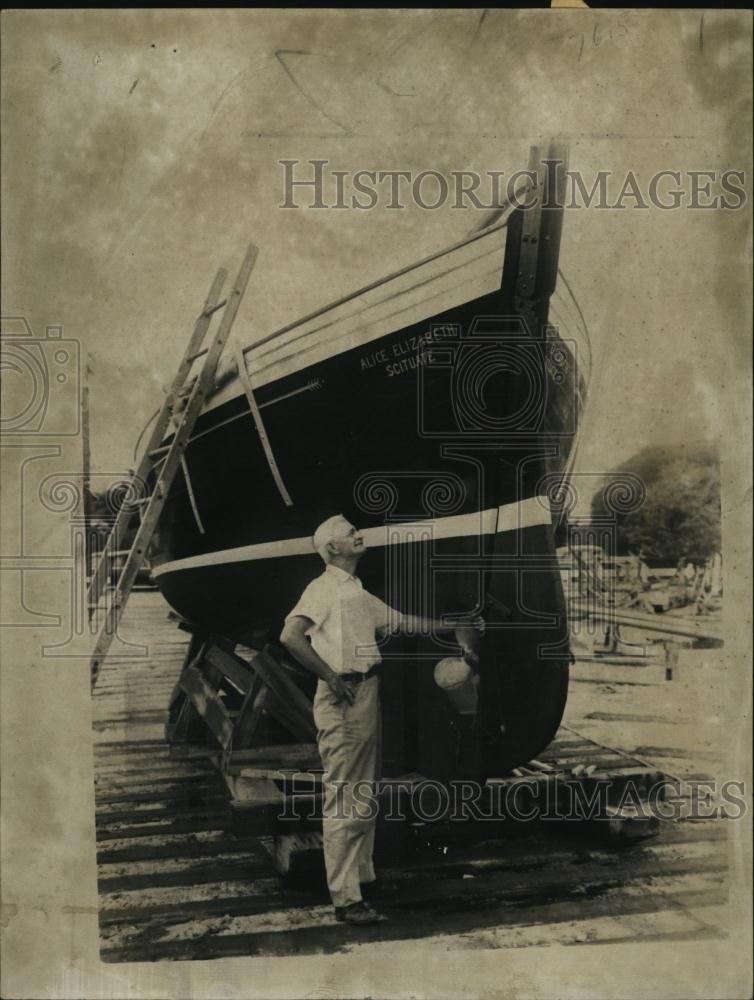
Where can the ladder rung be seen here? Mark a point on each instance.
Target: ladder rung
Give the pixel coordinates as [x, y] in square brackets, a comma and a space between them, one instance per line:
[104, 554]
[213, 309]
[196, 393]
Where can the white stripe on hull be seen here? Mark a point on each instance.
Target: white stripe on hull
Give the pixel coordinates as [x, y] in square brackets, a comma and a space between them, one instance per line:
[510, 517]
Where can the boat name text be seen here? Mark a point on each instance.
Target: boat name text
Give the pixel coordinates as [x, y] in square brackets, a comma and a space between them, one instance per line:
[407, 354]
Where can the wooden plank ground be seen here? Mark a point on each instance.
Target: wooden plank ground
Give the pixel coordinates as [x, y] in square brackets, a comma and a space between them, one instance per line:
[175, 884]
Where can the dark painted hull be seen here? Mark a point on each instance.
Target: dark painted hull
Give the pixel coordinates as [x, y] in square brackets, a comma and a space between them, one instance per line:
[443, 441]
[355, 446]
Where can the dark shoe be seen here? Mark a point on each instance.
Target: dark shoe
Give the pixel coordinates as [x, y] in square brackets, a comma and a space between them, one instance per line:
[356, 913]
[379, 889]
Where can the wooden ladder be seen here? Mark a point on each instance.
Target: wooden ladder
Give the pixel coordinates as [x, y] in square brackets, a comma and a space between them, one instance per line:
[171, 455]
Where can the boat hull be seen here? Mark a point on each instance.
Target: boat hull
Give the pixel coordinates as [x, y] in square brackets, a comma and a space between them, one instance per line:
[457, 515]
[445, 441]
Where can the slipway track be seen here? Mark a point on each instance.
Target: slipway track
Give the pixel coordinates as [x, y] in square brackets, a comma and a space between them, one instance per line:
[175, 883]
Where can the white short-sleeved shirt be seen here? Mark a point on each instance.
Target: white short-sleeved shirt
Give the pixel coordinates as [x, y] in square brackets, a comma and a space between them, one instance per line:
[345, 621]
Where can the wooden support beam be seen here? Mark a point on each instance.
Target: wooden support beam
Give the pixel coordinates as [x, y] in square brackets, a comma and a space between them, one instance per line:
[288, 693]
[188, 728]
[243, 376]
[282, 773]
[292, 755]
[268, 687]
[299, 854]
[208, 705]
[181, 724]
[281, 710]
[689, 628]
[230, 666]
[629, 824]
[256, 806]
[249, 717]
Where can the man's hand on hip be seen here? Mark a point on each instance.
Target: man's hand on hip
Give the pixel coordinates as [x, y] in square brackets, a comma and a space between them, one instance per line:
[341, 689]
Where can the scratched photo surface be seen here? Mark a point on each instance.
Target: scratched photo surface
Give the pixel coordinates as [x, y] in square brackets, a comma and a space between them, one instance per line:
[480, 282]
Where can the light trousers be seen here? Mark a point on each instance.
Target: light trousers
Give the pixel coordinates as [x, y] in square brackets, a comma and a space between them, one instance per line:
[349, 738]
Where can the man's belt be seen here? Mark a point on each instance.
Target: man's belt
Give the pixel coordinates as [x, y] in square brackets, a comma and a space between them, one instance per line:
[356, 677]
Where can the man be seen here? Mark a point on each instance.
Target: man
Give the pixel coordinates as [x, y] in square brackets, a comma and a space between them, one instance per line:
[332, 631]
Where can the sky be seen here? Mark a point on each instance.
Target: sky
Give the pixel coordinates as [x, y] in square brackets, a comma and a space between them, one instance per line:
[142, 151]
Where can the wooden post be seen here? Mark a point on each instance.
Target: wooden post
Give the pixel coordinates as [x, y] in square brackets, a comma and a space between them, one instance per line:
[671, 660]
[86, 471]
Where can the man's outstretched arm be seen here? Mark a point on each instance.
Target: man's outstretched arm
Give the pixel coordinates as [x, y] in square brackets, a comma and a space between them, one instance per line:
[468, 636]
[293, 637]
